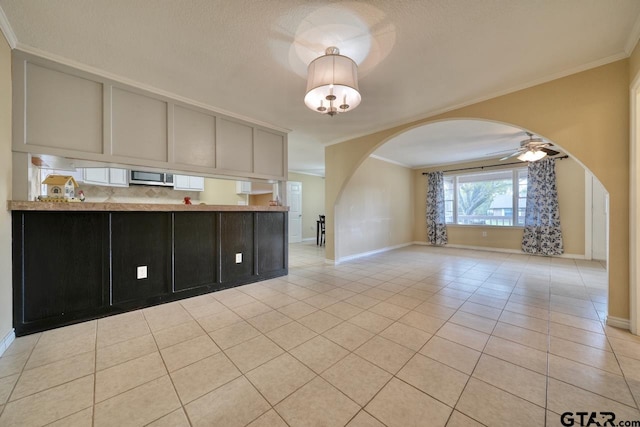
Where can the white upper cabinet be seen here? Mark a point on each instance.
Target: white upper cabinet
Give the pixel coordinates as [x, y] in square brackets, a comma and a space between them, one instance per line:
[118, 177]
[246, 187]
[112, 177]
[63, 111]
[188, 183]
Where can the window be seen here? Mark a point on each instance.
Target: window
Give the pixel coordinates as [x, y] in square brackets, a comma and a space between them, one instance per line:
[486, 198]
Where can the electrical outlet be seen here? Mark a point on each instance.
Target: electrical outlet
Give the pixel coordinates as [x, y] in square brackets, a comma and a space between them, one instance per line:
[484, 234]
[239, 258]
[141, 272]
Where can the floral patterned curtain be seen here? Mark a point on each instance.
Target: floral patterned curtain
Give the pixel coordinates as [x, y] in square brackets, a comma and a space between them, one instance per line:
[436, 226]
[542, 233]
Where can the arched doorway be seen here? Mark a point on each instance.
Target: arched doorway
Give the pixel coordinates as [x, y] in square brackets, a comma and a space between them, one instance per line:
[374, 174]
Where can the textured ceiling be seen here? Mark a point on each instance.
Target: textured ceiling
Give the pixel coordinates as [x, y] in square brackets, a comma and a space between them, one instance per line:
[249, 57]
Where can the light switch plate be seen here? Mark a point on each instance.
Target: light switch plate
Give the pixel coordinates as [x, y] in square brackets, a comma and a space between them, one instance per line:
[239, 258]
[141, 272]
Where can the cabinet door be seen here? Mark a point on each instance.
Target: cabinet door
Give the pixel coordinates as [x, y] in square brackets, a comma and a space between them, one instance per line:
[181, 182]
[243, 187]
[96, 176]
[118, 177]
[196, 183]
[188, 183]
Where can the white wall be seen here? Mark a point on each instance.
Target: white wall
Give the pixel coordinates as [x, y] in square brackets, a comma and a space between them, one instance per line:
[376, 209]
[6, 311]
[312, 201]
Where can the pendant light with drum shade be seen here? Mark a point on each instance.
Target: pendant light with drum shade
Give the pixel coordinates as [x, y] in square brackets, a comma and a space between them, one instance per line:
[332, 83]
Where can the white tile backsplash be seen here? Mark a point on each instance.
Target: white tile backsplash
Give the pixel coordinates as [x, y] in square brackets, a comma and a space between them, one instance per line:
[136, 194]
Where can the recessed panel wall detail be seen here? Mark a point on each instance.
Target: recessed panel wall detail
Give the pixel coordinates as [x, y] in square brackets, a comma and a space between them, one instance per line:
[194, 136]
[268, 154]
[140, 239]
[64, 111]
[62, 257]
[139, 126]
[236, 247]
[195, 252]
[271, 247]
[234, 146]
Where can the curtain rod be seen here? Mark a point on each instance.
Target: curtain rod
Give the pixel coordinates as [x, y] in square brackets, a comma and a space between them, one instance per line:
[493, 166]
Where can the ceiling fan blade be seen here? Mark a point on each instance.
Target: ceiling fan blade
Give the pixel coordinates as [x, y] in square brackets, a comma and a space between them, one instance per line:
[517, 153]
[500, 152]
[549, 151]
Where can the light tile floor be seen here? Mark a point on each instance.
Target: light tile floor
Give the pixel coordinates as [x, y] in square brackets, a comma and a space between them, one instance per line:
[417, 336]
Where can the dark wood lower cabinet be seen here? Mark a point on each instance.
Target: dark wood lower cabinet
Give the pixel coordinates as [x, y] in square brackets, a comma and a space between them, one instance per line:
[73, 266]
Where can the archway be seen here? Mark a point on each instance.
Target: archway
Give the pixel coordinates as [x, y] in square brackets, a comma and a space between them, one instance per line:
[378, 211]
[578, 113]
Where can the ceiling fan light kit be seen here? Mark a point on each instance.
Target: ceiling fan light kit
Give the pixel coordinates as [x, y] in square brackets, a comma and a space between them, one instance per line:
[532, 150]
[532, 155]
[332, 83]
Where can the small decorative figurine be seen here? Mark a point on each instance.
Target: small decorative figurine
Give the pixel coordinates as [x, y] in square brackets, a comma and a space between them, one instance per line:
[187, 200]
[81, 195]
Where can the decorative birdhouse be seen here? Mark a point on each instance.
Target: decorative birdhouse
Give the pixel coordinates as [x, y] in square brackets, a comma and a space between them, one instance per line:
[60, 186]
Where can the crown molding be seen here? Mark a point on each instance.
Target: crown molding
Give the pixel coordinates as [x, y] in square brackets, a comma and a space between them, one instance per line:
[5, 26]
[513, 89]
[393, 162]
[306, 173]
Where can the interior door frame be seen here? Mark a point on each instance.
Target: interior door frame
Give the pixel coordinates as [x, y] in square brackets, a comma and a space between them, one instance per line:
[634, 212]
[301, 212]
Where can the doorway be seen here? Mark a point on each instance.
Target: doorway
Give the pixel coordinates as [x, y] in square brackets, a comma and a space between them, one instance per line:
[294, 198]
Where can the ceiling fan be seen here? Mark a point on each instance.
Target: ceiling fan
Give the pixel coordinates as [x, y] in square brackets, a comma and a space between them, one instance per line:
[531, 149]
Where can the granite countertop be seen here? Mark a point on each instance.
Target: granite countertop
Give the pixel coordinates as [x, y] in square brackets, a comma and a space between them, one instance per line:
[17, 205]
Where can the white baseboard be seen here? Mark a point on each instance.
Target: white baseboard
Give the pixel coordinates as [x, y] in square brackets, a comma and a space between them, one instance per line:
[501, 250]
[6, 341]
[309, 239]
[618, 322]
[376, 251]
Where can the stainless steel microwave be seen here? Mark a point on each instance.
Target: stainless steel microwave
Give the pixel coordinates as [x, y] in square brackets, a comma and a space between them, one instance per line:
[151, 178]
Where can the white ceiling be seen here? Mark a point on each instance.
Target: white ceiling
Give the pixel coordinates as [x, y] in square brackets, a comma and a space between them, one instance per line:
[249, 57]
[452, 141]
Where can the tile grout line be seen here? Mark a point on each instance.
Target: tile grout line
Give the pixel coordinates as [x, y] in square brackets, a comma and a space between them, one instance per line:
[182, 406]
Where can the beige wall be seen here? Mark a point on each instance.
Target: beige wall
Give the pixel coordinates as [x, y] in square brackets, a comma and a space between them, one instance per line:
[6, 316]
[571, 199]
[376, 209]
[312, 201]
[586, 114]
[221, 192]
[634, 63]
[260, 199]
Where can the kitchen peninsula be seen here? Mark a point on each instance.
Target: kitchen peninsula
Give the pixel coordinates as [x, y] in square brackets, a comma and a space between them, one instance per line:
[78, 261]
